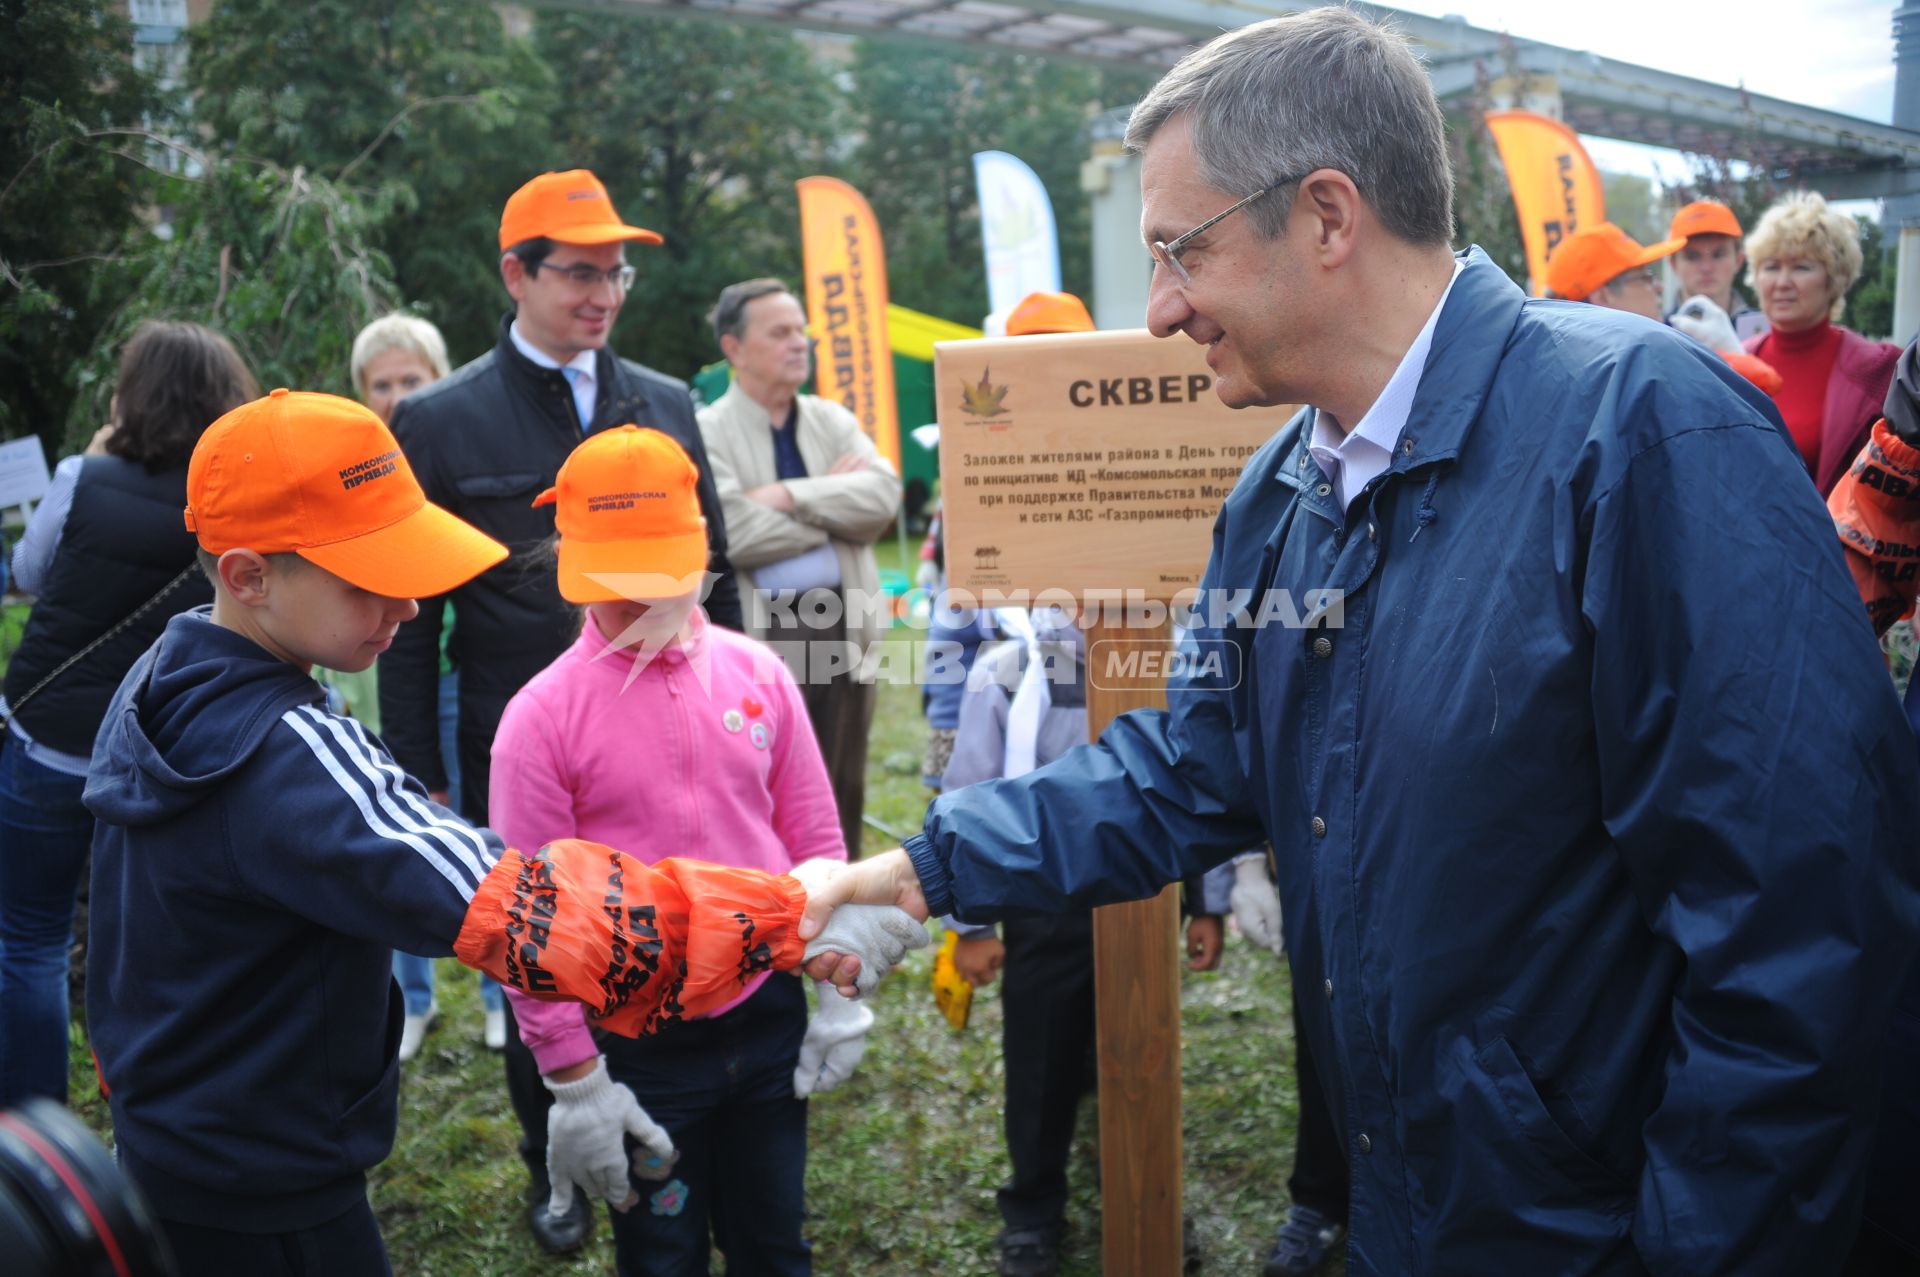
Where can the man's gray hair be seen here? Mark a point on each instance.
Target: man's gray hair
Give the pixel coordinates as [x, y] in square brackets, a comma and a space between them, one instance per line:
[1321, 89]
[729, 314]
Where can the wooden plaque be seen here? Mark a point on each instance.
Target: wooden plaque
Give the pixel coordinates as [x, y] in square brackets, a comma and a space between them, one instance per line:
[1085, 461]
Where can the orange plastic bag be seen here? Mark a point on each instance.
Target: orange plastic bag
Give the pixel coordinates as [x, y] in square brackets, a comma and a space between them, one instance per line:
[638, 944]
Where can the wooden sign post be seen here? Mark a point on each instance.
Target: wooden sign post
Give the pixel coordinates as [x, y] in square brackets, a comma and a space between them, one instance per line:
[1087, 468]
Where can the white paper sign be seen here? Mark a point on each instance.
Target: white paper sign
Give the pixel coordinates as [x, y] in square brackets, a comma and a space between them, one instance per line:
[23, 471]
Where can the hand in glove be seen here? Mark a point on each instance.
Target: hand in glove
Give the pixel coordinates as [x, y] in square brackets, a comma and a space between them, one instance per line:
[585, 1143]
[878, 935]
[836, 1039]
[1256, 904]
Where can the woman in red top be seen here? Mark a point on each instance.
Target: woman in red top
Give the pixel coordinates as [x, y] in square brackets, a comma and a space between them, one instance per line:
[1804, 257]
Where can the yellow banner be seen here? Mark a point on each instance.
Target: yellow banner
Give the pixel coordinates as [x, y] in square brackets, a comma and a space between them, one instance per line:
[846, 269]
[1556, 190]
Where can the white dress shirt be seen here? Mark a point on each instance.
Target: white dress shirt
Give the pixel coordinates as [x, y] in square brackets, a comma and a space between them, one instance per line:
[1352, 462]
[581, 366]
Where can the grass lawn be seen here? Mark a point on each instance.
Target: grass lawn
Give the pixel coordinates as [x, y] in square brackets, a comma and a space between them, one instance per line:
[904, 1158]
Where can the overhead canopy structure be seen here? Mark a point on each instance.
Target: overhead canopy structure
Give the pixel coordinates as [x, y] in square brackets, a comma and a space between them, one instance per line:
[1845, 157]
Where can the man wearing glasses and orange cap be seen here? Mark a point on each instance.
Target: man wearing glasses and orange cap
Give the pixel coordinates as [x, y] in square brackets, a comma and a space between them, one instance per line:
[484, 442]
[1710, 259]
[1604, 265]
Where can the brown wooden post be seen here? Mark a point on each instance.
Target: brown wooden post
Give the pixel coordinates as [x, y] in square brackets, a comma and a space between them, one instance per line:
[1136, 986]
[1093, 464]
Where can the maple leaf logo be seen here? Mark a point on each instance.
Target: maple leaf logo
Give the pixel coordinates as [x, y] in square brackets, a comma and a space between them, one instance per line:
[984, 399]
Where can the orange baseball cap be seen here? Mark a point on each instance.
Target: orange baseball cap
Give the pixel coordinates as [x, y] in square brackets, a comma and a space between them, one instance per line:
[322, 477]
[1590, 258]
[1049, 313]
[1704, 217]
[572, 207]
[627, 504]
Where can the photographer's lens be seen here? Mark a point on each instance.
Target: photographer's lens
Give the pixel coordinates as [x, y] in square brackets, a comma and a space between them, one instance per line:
[65, 1208]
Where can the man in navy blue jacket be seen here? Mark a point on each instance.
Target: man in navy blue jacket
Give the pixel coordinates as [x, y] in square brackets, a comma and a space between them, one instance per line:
[1587, 789]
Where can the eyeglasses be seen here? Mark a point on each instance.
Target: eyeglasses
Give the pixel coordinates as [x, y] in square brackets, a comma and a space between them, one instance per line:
[588, 278]
[1168, 254]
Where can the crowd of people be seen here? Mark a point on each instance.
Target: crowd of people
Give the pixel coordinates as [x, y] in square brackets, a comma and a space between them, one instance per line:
[1583, 830]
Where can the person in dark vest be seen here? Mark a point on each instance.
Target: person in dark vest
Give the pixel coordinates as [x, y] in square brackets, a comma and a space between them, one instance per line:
[484, 442]
[110, 560]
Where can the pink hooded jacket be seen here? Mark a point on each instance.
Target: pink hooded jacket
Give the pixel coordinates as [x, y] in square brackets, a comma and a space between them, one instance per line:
[706, 753]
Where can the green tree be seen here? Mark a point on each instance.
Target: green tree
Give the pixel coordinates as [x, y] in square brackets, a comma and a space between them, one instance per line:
[924, 110]
[1483, 210]
[1870, 299]
[431, 110]
[699, 130]
[73, 176]
[281, 260]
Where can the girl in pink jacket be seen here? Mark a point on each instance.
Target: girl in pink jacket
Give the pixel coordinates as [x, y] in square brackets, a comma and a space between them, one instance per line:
[659, 733]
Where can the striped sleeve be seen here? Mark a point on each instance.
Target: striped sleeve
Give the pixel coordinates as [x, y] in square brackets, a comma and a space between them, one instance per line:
[349, 840]
[1876, 509]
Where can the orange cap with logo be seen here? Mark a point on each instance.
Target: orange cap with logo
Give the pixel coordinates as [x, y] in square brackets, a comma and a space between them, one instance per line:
[322, 477]
[1704, 217]
[572, 207]
[1590, 258]
[1049, 313]
[627, 504]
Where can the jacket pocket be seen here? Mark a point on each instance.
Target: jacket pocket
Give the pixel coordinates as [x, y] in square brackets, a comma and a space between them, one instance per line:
[481, 487]
[365, 1130]
[1514, 1091]
[1507, 1192]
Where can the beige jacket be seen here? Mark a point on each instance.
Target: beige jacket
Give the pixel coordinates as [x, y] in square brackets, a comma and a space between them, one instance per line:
[849, 510]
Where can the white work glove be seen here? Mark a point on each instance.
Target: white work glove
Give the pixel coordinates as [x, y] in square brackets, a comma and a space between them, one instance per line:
[836, 1039]
[878, 935]
[585, 1144]
[1256, 904]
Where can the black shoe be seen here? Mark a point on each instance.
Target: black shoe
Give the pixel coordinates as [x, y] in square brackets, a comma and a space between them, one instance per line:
[558, 1234]
[1028, 1252]
[1306, 1242]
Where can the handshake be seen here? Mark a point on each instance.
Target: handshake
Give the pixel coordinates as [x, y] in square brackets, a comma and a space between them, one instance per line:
[861, 919]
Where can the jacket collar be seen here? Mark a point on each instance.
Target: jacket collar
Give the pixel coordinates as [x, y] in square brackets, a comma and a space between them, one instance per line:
[1469, 340]
[593, 645]
[517, 365]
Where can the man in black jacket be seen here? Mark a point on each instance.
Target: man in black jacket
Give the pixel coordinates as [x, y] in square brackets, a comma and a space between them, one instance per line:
[484, 442]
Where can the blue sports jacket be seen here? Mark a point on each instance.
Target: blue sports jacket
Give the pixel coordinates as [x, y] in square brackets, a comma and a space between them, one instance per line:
[256, 862]
[1588, 794]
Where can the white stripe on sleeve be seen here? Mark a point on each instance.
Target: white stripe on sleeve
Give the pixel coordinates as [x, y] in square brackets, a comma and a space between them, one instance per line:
[362, 789]
[402, 804]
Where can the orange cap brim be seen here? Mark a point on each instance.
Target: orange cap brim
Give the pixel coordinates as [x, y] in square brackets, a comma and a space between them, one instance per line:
[427, 553]
[1655, 252]
[608, 233]
[637, 570]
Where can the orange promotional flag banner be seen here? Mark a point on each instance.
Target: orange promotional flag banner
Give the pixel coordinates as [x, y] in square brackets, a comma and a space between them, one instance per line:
[1556, 189]
[846, 269]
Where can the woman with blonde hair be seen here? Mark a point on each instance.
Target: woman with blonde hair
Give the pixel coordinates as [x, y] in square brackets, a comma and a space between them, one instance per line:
[1802, 258]
[394, 356]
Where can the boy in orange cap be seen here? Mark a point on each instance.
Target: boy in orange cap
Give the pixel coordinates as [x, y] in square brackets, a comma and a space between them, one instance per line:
[1709, 261]
[1604, 265]
[258, 857]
